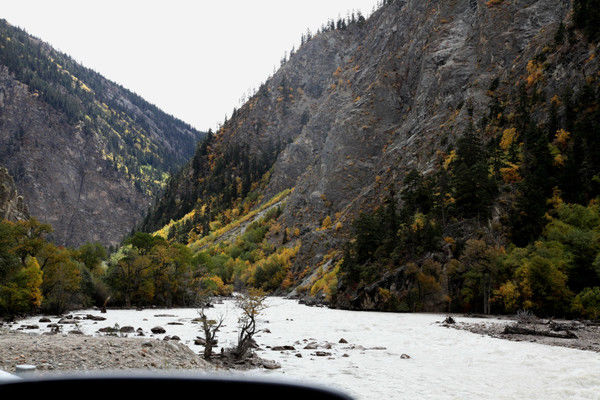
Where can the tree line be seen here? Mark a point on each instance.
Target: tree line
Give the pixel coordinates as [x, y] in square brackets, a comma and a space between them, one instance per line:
[38, 276]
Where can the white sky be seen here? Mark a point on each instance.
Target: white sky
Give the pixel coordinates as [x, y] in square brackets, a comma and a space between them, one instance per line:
[193, 59]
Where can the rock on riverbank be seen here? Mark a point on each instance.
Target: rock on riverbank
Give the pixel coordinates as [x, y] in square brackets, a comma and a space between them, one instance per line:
[572, 334]
[84, 353]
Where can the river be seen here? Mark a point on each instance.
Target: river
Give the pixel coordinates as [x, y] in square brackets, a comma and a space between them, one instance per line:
[444, 363]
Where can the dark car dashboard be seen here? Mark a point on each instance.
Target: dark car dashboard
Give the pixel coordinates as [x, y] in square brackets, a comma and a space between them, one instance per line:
[127, 385]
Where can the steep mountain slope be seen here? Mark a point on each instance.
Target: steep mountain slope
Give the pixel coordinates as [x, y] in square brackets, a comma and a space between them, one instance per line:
[357, 108]
[86, 153]
[12, 206]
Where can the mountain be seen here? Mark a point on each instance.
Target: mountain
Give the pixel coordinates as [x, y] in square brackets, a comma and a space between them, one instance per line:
[388, 157]
[88, 154]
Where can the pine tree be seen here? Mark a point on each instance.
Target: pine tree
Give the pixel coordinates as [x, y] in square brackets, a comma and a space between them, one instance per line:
[474, 190]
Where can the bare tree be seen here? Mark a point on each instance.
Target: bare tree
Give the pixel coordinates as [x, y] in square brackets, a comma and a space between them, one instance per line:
[209, 326]
[251, 303]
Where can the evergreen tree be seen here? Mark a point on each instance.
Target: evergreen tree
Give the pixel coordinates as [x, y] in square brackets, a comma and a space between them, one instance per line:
[474, 189]
[587, 17]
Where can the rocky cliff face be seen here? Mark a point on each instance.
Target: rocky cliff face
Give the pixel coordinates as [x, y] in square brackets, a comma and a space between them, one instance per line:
[355, 109]
[87, 154]
[12, 206]
[401, 94]
[60, 168]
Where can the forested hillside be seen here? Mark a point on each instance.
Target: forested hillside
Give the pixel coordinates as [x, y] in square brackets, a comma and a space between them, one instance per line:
[442, 157]
[87, 154]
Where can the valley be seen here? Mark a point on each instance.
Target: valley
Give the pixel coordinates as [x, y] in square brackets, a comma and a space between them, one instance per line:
[427, 177]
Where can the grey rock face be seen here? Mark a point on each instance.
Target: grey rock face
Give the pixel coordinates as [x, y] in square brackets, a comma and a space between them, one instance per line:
[402, 93]
[12, 206]
[357, 109]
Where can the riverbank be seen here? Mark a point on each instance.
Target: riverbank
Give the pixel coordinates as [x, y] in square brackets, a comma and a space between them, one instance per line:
[86, 353]
[562, 333]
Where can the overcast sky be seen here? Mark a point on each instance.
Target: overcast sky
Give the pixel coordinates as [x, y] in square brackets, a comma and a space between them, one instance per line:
[193, 59]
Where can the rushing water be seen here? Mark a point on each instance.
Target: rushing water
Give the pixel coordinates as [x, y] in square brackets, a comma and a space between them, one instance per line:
[444, 364]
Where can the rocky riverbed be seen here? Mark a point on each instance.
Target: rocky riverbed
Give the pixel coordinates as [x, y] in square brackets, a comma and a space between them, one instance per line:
[382, 355]
[582, 335]
[85, 353]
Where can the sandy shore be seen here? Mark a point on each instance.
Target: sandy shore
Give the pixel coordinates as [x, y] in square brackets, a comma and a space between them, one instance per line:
[585, 336]
[85, 353]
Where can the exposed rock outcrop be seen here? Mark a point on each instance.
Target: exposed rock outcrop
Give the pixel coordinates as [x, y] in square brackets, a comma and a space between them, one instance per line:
[12, 206]
[356, 109]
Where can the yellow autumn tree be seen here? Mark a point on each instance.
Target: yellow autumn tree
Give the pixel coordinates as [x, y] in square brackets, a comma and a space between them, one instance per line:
[535, 71]
[326, 224]
[510, 173]
[22, 293]
[508, 138]
[449, 159]
[32, 281]
[62, 279]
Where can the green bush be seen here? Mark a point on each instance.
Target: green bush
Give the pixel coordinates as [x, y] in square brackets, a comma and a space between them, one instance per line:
[255, 233]
[269, 275]
[587, 303]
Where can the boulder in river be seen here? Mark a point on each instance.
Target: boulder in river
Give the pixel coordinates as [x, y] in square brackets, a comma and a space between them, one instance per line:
[94, 317]
[449, 320]
[268, 364]
[127, 329]
[67, 321]
[404, 356]
[311, 346]
[322, 353]
[158, 329]
[45, 320]
[282, 348]
[342, 340]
